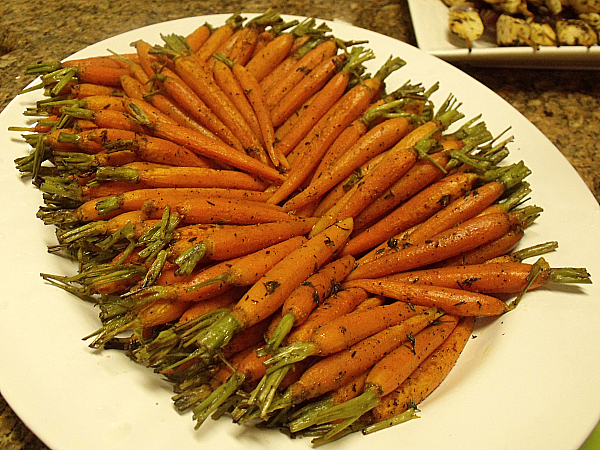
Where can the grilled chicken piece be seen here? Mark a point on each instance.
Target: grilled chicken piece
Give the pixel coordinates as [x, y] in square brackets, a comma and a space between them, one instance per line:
[542, 34]
[511, 31]
[465, 22]
[575, 32]
[593, 20]
[585, 6]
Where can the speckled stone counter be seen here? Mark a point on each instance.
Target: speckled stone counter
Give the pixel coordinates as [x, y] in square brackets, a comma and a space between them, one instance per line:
[564, 105]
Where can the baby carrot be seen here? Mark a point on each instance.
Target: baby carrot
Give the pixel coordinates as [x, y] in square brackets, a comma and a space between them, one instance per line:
[187, 99]
[377, 140]
[82, 90]
[428, 376]
[321, 103]
[218, 36]
[305, 64]
[181, 177]
[274, 52]
[471, 204]
[468, 235]
[268, 294]
[309, 85]
[306, 297]
[452, 300]
[336, 305]
[204, 86]
[415, 210]
[256, 98]
[231, 87]
[419, 177]
[227, 242]
[198, 37]
[213, 149]
[493, 277]
[246, 42]
[333, 371]
[206, 210]
[223, 276]
[343, 332]
[351, 106]
[387, 375]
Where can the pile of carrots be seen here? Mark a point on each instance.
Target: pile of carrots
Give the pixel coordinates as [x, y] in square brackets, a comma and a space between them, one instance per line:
[268, 226]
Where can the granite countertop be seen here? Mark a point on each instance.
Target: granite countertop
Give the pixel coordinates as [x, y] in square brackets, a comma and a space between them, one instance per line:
[564, 105]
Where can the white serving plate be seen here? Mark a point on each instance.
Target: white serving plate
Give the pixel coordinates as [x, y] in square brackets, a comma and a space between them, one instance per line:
[528, 380]
[430, 22]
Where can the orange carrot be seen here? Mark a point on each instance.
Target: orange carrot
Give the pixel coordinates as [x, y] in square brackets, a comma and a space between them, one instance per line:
[469, 205]
[335, 195]
[218, 36]
[101, 227]
[255, 96]
[162, 151]
[135, 199]
[305, 64]
[160, 312]
[91, 102]
[274, 52]
[492, 277]
[468, 235]
[244, 46]
[494, 249]
[428, 376]
[389, 373]
[181, 177]
[100, 61]
[198, 37]
[203, 84]
[396, 162]
[420, 176]
[351, 106]
[306, 297]
[452, 300]
[213, 149]
[341, 302]
[414, 211]
[221, 277]
[377, 140]
[217, 210]
[224, 300]
[344, 331]
[268, 294]
[301, 47]
[226, 242]
[196, 108]
[333, 371]
[231, 87]
[105, 118]
[106, 76]
[82, 90]
[309, 85]
[320, 105]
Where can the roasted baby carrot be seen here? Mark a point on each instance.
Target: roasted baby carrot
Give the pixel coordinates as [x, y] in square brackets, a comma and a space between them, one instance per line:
[333, 371]
[306, 297]
[215, 280]
[268, 294]
[387, 375]
[468, 235]
[351, 106]
[427, 377]
[181, 177]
